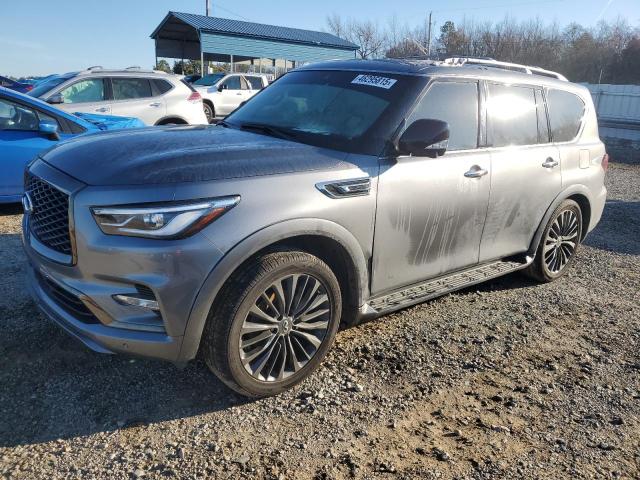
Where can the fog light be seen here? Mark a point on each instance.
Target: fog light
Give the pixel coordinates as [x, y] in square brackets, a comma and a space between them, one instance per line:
[137, 302]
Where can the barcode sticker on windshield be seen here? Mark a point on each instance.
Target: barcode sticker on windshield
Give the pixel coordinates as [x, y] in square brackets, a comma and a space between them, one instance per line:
[374, 81]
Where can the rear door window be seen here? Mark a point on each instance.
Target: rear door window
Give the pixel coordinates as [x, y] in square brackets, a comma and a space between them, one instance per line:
[565, 114]
[455, 103]
[84, 91]
[512, 116]
[130, 88]
[254, 82]
[233, 83]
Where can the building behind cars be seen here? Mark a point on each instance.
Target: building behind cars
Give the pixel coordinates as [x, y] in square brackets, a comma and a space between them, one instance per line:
[155, 97]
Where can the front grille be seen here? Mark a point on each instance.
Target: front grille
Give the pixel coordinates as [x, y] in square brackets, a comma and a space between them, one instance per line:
[66, 300]
[49, 220]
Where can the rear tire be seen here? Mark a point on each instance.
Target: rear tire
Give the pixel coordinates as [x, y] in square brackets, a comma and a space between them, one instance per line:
[559, 243]
[209, 112]
[273, 323]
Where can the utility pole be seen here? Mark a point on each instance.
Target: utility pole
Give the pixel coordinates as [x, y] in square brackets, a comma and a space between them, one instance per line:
[209, 9]
[429, 35]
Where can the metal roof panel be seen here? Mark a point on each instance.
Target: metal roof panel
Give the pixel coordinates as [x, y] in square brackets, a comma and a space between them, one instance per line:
[259, 30]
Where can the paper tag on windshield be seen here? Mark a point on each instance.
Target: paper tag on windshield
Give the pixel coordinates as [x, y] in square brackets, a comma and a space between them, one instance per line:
[374, 81]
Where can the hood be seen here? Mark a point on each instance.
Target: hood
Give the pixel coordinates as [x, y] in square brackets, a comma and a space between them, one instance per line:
[110, 122]
[177, 154]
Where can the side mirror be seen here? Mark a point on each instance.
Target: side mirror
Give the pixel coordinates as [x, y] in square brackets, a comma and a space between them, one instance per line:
[56, 99]
[49, 130]
[426, 137]
[222, 87]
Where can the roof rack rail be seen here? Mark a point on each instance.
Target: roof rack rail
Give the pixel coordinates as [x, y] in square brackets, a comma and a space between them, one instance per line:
[134, 67]
[96, 67]
[516, 67]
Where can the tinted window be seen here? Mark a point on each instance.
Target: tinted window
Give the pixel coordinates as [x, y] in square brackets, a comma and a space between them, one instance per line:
[512, 117]
[255, 82]
[162, 86]
[455, 103]
[130, 88]
[233, 83]
[209, 80]
[565, 114]
[16, 117]
[91, 90]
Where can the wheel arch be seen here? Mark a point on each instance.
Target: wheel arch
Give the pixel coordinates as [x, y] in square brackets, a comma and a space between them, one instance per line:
[172, 119]
[578, 193]
[329, 241]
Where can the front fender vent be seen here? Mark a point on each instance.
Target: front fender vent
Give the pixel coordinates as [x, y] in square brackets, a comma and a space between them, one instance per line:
[346, 188]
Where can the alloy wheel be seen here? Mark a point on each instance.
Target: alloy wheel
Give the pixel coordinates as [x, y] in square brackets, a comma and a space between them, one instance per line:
[561, 241]
[285, 327]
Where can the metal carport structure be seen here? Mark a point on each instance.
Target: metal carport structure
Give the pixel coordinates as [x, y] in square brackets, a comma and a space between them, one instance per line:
[197, 37]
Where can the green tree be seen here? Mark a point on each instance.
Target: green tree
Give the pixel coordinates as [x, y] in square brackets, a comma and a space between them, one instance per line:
[163, 66]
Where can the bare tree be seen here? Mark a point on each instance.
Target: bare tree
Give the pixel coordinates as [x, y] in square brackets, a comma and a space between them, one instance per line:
[369, 37]
[606, 52]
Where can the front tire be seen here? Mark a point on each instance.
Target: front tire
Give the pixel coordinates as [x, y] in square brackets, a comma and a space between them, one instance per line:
[273, 324]
[558, 244]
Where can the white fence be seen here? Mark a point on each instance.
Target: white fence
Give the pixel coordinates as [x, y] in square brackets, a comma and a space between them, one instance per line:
[618, 109]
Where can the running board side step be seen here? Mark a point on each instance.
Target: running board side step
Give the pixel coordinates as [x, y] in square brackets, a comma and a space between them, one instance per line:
[422, 292]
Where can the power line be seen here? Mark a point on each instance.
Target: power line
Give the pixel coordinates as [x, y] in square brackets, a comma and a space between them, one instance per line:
[232, 13]
[483, 7]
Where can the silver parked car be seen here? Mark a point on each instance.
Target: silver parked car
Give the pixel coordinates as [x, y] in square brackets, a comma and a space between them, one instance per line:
[345, 190]
[155, 97]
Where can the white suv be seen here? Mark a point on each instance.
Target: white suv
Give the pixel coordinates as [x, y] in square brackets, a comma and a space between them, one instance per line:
[223, 93]
[156, 98]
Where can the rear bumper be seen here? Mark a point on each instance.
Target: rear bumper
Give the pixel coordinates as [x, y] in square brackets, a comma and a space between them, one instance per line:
[597, 208]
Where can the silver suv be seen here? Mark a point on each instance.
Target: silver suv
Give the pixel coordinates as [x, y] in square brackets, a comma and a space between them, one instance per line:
[345, 190]
[155, 97]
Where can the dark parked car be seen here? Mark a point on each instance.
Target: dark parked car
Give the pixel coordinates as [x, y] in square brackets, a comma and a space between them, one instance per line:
[17, 86]
[345, 190]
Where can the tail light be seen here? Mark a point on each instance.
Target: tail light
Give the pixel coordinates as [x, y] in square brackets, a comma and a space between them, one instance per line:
[28, 88]
[195, 97]
[605, 162]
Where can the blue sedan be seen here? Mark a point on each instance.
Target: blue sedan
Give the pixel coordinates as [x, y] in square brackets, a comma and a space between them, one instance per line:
[29, 126]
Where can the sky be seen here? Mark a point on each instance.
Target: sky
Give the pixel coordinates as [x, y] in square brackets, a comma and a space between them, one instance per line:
[39, 37]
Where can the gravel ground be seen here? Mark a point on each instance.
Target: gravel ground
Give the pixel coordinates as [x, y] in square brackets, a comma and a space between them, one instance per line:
[510, 379]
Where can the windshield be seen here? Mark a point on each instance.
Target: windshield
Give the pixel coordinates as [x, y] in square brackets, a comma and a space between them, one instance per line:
[209, 80]
[46, 85]
[349, 111]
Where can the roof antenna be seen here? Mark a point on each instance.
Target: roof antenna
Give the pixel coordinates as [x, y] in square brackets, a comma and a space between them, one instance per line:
[209, 7]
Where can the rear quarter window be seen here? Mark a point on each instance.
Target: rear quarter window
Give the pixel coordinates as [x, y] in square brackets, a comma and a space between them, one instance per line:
[566, 111]
[162, 86]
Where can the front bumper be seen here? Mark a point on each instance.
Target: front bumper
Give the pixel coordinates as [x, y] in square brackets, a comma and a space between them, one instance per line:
[78, 292]
[101, 338]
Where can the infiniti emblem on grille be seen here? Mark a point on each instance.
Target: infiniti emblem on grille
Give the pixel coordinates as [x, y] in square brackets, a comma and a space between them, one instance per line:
[27, 204]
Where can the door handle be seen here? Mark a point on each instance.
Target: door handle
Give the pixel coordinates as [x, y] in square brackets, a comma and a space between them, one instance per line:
[550, 163]
[155, 104]
[476, 172]
[102, 109]
[239, 93]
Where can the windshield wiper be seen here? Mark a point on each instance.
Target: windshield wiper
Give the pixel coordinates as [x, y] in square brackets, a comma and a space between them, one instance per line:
[278, 132]
[223, 123]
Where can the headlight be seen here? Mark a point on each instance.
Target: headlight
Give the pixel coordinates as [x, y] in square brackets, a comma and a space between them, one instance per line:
[171, 220]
